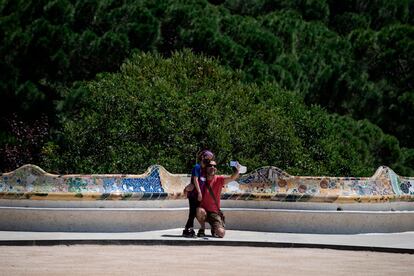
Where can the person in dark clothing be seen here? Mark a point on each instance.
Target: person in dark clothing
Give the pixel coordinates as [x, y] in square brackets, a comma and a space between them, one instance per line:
[195, 190]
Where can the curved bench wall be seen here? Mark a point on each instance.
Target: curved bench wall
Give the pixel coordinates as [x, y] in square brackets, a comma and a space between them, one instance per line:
[264, 184]
[147, 219]
[267, 199]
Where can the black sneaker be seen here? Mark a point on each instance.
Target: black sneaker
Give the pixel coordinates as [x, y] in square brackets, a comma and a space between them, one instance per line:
[201, 233]
[188, 233]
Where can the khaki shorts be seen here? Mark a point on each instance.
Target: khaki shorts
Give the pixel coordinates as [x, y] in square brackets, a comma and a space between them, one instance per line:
[215, 221]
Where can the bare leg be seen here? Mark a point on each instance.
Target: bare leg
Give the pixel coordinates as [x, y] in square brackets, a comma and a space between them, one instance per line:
[201, 216]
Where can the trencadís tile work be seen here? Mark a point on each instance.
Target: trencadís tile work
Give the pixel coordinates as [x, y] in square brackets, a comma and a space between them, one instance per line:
[263, 184]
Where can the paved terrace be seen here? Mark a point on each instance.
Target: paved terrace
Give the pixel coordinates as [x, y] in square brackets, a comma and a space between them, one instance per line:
[378, 242]
[90, 259]
[240, 252]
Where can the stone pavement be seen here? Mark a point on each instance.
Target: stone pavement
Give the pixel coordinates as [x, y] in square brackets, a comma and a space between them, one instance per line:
[381, 242]
[97, 259]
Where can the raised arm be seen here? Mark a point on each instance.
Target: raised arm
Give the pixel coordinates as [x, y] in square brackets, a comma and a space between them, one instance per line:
[234, 175]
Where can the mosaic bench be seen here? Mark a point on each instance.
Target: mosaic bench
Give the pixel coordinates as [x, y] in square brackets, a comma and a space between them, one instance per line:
[267, 199]
[264, 184]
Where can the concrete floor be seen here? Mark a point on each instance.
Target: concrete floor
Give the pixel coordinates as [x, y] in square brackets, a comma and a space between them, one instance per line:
[197, 260]
[385, 242]
[239, 253]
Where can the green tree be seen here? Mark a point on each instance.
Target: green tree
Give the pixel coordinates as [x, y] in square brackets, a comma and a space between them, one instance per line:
[161, 111]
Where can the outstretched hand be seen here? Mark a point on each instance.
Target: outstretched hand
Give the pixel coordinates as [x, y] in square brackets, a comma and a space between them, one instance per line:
[236, 168]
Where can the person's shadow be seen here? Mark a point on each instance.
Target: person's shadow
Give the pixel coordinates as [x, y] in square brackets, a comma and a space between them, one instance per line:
[181, 236]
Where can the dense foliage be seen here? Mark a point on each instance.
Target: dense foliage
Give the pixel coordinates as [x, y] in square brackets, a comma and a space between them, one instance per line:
[161, 111]
[352, 57]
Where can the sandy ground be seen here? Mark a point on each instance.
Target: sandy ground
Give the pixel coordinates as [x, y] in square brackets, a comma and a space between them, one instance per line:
[197, 260]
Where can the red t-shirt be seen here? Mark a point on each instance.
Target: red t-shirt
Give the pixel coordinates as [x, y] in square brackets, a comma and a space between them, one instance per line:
[216, 185]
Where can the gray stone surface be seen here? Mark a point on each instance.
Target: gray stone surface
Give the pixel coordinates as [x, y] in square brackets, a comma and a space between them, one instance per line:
[147, 219]
[370, 241]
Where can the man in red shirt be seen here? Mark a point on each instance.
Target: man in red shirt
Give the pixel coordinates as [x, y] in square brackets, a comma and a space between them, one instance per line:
[210, 207]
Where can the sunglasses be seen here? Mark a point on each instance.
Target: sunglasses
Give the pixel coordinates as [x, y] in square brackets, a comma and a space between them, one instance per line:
[211, 166]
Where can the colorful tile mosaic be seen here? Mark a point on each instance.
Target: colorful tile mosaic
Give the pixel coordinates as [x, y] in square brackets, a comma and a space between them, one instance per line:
[267, 184]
